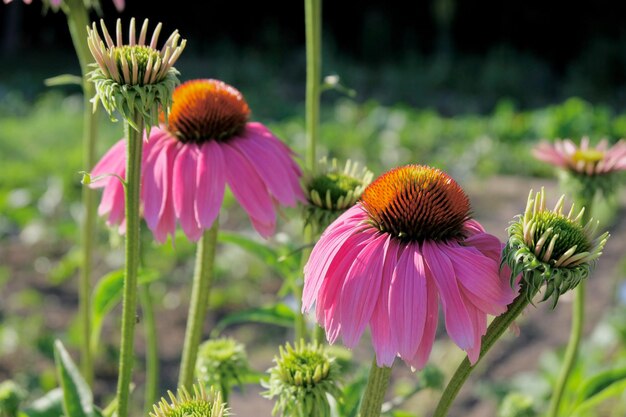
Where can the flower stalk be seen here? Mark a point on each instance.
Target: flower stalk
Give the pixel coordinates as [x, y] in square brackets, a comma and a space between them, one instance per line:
[202, 279]
[494, 332]
[374, 395]
[129, 304]
[576, 330]
[152, 352]
[313, 24]
[77, 21]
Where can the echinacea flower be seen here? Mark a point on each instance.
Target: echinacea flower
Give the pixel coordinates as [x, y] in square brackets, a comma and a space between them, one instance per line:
[302, 379]
[201, 403]
[135, 77]
[587, 168]
[552, 248]
[207, 144]
[389, 261]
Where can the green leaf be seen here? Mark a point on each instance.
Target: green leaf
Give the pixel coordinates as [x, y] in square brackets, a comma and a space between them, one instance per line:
[352, 393]
[50, 405]
[66, 267]
[278, 314]
[268, 255]
[77, 397]
[107, 294]
[600, 388]
[63, 79]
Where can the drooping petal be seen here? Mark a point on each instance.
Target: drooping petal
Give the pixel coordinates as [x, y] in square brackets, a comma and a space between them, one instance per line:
[248, 189]
[110, 163]
[154, 187]
[164, 175]
[479, 321]
[430, 328]
[210, 182]
[360, 290]
[268, 165]
[324, 252]
[385, 348]
[479, 275]
[328, 299]
[408, 301]
[184, 190]
[458, 322]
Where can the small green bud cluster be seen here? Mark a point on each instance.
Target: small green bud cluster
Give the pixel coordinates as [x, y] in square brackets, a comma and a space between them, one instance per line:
[201, 404]
[222, 363]
[303, 377]
[333, 190]
[551, 248]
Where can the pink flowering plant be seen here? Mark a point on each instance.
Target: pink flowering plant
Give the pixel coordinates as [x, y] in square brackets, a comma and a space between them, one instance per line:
[391, 265]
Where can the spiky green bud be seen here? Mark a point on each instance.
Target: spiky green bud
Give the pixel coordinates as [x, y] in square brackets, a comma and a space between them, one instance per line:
[11, 395]
[302, 379]
[551, 248]
[134, 78]
[202, 403]
[333, 190]
[222, 363]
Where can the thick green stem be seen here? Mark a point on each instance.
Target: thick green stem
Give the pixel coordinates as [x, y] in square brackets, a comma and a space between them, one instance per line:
[496, 329]
[129, 305]
[375, 391]
[152, 351]
[203, 276]
[578, 320]
[571, 352]
[312, 19]
[77, 20]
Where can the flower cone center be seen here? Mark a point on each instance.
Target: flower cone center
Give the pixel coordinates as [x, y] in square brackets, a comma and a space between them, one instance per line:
[206, 110]
[570, 234]
[588, 156]
[417, 203]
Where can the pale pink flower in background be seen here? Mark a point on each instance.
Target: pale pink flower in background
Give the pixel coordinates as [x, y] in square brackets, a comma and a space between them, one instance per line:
[584, 159]
[392, 259]
[207, 144]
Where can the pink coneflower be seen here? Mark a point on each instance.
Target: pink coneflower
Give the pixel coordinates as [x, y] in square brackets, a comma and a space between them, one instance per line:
[207, 144]
[583, 159]
[119, 4]
[388, 261]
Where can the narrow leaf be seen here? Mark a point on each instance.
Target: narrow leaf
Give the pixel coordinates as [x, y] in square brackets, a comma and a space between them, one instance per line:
[260, 250]
[278, 314]
[50, 405]
[63, 79]
[77, 397]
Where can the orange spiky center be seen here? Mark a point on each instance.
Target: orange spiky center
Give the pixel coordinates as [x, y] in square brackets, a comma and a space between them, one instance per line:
[206, 110]
[417, 203]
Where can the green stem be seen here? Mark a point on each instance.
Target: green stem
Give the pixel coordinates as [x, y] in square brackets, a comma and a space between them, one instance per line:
[152, 351]
[571, 352]
[496, 329]
[312, 19]
[203, 276]
[578, 320]
[77, 20]
[374, 394]
[129, 305]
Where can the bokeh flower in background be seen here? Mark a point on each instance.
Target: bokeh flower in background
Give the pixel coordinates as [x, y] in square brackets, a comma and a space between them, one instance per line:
[206, 144]
[389, 260]
[585, 169]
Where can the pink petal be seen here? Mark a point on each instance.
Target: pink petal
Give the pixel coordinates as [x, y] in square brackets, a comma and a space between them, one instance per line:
[324, 252]
[155, 187]
[360, 290]
[479, 275]
[479, 321]
[119, 5]
[384, 346]
[328, 298]
[210, 182]
[458, 322]
[184, 190]
[487, 244]
[407, 301]
[248, 189]
[430, 328]
[268, 165]
[110, 163]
